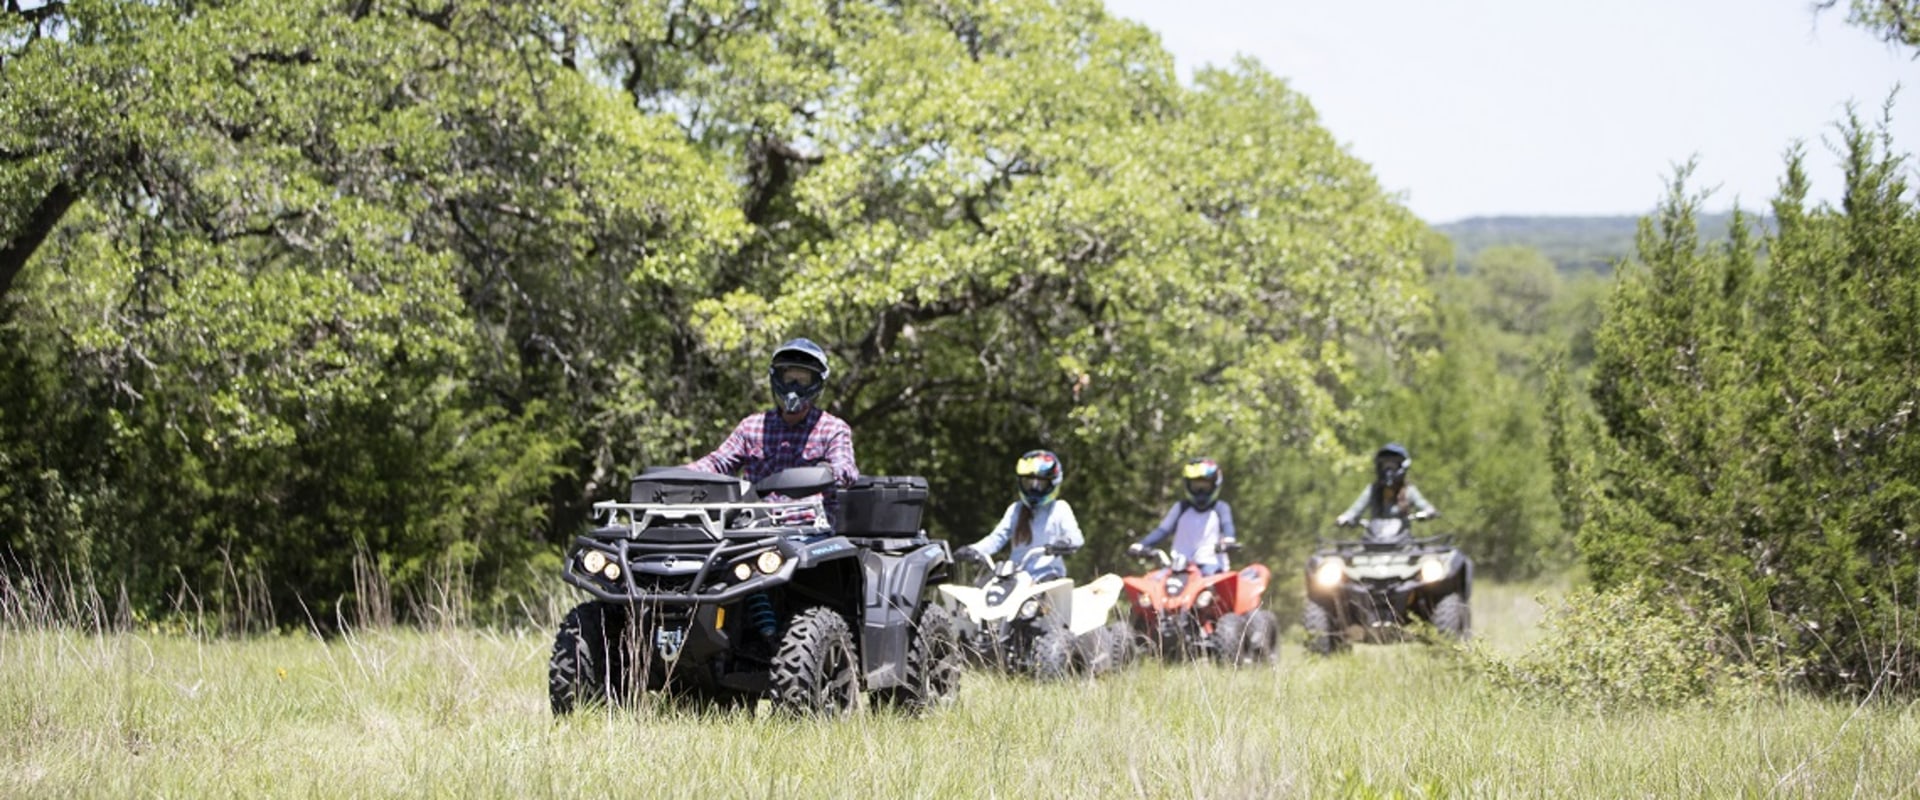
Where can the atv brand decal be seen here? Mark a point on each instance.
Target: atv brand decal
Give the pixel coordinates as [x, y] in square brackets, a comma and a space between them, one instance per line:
[669, 641]
[828, 549]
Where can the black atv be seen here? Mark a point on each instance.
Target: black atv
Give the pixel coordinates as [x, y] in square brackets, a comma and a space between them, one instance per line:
[1384, 581]
[711, 591]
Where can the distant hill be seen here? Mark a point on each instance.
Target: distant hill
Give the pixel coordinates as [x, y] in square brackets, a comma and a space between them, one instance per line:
[1574, 244]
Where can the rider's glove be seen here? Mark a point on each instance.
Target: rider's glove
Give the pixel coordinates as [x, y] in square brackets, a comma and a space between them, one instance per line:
[1344, 521]
[970, 554]
[1229, 546]
[1137, 550]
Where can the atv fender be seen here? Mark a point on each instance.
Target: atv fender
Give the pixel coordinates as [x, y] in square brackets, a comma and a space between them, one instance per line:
[1093, 604]
[1249, 584]
[894, 587]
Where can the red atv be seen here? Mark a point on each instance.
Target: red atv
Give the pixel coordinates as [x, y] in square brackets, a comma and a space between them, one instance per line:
[1181, 613]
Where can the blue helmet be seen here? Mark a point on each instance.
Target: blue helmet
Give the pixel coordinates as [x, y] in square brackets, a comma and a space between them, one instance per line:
[1391, 462]
[1039, 473]
[1203, 479]
[792, 391]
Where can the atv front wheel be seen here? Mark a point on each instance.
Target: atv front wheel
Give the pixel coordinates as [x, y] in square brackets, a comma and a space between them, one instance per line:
[1323, 637]
[816, 670]
[588, 665]
[1452, 616]
[933, 665]
[1229, 634]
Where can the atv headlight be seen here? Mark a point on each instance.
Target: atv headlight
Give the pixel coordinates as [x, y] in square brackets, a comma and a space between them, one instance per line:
[769, 562]
[593, 561]
[1329, 573]
[1145, 601]
[742, 571]
[1031, 608]
[612, 571]
[1205, 599]
[1432, 570]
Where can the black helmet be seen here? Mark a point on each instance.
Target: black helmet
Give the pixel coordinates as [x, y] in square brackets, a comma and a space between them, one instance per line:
[792, 391]
[1203, 479]
[1039, 473]
[1391, 462]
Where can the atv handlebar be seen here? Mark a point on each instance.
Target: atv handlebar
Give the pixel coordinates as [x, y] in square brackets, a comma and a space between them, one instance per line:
[1155, 555]
[1355, 522]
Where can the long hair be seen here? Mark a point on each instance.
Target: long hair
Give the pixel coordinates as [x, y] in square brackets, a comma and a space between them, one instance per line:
[1389, 496]
[1023, 526]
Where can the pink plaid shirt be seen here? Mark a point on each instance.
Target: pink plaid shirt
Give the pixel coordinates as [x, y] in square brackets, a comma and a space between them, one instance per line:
[764, 444]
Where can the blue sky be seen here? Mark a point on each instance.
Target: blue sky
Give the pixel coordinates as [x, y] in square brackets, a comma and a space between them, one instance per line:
[1483, 107]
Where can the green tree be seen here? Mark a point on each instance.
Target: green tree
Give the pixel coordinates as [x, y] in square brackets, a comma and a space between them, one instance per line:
[1755, 454]
[423, 281]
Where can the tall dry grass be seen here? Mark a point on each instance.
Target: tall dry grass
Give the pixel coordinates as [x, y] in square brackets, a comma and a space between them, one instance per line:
[450, 710]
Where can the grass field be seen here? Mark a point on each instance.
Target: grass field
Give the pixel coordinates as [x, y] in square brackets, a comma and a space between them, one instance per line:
[464, 713]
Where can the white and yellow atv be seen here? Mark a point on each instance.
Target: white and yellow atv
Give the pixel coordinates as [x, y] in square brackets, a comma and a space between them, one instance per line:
[1047, 628]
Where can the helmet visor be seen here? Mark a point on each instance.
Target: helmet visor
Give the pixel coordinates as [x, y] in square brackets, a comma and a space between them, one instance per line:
[797, 376]
[1034, 484]
[1199, 486]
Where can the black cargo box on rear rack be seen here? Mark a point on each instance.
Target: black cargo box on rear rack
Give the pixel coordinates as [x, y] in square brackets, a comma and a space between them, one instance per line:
[679, 485]
[880, 506]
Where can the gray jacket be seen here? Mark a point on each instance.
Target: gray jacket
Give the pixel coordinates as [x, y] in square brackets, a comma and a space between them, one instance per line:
[1380, 510]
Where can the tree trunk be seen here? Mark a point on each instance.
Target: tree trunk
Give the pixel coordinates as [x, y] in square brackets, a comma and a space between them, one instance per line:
[45, 217]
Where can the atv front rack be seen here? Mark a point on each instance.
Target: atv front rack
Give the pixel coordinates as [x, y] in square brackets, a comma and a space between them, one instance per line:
[684, 554]
[1421, 544]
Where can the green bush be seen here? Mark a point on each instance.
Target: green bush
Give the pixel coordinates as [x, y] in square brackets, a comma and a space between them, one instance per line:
[1617, 648]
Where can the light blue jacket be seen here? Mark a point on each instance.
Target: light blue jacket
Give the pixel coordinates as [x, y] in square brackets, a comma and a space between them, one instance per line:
[1053, 523]
[1197, 533]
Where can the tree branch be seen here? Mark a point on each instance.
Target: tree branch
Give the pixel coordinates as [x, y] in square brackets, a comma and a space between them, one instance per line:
[45, 217]
[771, 172]
[441, 18]
[301, 56]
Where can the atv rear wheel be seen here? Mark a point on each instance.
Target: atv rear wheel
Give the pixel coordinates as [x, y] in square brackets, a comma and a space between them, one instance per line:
[1452, 616]
[1120, 637]
[933, 665]
[1053, 653]
[589, 661]
[816, 670]
[1094, 650]
[1323, 637]
[1261, 641]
